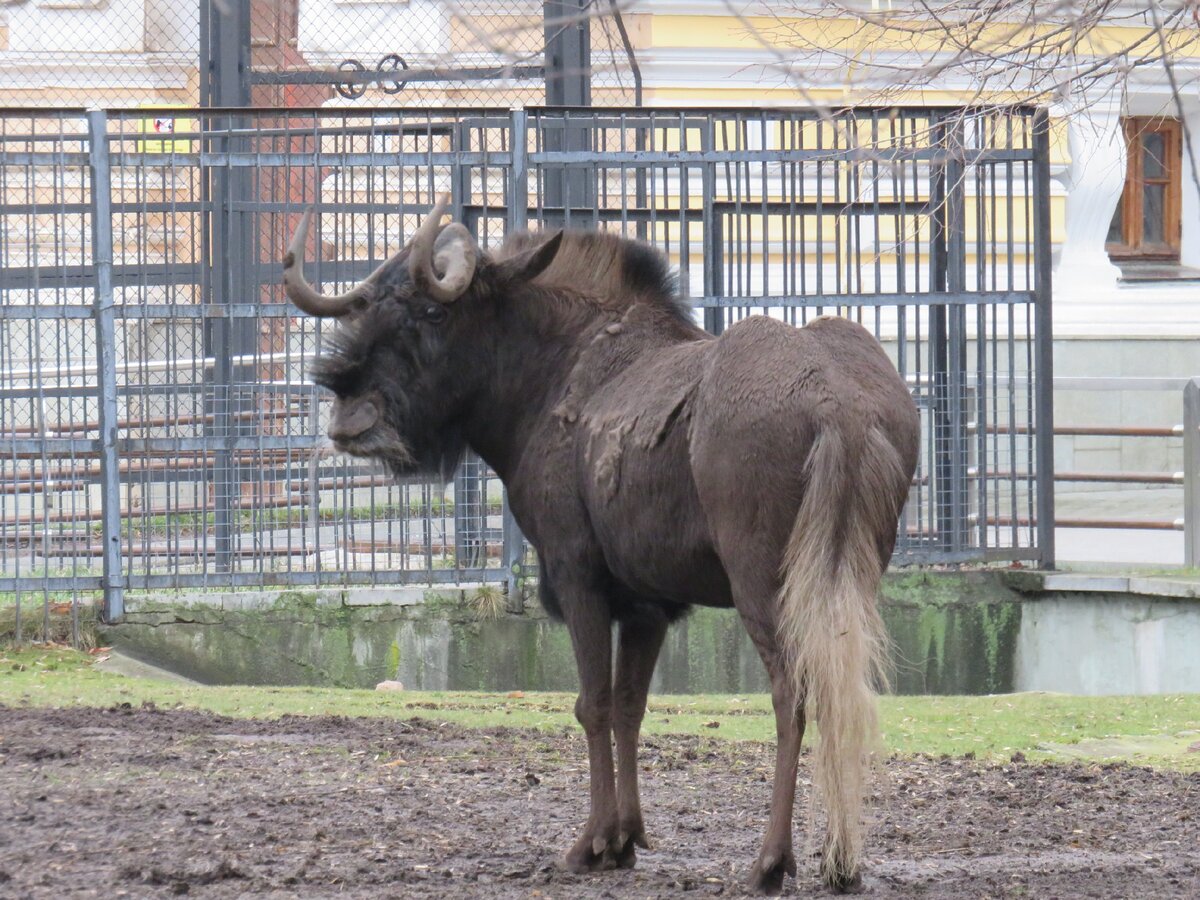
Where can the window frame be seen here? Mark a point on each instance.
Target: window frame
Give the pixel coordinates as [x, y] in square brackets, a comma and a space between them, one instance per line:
[1132, 244]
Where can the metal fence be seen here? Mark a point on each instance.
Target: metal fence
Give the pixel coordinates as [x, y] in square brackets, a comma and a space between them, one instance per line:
[157, 426]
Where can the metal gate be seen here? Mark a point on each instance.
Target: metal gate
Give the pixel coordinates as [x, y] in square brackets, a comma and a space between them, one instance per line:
[157, 427]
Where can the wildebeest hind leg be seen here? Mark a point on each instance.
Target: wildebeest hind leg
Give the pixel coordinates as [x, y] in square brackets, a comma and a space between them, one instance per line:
[776, 858]
[637, 651]
[590, 625]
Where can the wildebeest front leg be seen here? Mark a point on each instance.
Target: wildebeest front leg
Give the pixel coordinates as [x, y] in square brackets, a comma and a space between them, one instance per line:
[637, 651]
[590, 625]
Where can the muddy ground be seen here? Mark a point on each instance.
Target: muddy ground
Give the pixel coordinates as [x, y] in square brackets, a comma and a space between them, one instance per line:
[140, 802]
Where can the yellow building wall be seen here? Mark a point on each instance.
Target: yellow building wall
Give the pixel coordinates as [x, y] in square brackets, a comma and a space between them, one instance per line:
[851, 37]
[857, 36]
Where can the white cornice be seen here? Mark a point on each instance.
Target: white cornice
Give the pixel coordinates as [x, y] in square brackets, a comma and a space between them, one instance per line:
[1129, 311]
[132, 71]
[729, 8]
[802, 8]
[726, 67]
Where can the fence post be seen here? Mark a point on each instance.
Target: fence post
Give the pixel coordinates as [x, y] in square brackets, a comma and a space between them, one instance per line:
[568, 66]
[1191, 473]
[225, 44]
[567, 33]
[714, 316]
[1043, 420]
[113, 580]
[470, 497]
[947, 341]
[224, 53]
[513, 542]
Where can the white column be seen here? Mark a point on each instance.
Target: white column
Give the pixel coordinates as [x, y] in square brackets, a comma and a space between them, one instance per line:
[1189, 239]
[1094, 181]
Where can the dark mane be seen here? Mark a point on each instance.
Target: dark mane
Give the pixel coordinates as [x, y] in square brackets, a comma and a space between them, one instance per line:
[606, 270]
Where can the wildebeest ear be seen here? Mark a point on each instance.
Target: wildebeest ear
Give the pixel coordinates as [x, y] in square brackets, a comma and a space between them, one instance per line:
[531, 263]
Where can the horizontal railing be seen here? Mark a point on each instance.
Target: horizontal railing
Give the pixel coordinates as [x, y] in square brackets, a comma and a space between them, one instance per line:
[1189, 476]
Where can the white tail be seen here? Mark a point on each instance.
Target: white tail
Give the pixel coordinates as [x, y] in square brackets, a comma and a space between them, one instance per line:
[829, 623]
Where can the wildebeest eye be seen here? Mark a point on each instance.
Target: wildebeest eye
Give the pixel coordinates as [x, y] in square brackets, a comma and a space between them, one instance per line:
[435, 313]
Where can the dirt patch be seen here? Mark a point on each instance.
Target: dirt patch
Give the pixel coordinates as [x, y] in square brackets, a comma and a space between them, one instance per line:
[141, 802]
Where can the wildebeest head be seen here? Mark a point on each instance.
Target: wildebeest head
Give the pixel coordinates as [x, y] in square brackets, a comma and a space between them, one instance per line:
[405, 365]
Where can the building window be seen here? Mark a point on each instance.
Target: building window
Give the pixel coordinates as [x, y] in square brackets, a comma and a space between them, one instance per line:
[1146, 223]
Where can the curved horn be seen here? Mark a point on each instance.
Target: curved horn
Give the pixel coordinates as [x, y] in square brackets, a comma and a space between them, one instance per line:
[457, 250]
[301, 293]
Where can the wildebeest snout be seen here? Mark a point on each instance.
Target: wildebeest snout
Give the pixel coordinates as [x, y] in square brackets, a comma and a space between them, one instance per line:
[351, 418]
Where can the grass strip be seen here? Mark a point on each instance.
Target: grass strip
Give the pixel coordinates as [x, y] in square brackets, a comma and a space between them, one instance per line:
[1156, 730]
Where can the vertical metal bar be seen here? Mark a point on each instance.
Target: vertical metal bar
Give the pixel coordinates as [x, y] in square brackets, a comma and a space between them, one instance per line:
[567, 27]
[113, 581]
[219, 345]
[939, 362]
[1044, 338]
[957, 446]
[470, 496]
[206, 65]
[947, 330]
[639, 171]
[234, 277]
[513, 542]
[1191, 473]
[225, 53]
[714, 316]
[518, 181]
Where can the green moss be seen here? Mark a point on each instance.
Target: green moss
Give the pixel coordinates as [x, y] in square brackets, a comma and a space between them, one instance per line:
[931, 631]
[922, 588]
[296, 600]
[951, 631]
[394, 661]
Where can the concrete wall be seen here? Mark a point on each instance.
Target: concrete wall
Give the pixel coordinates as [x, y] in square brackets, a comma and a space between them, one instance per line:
[953, 633]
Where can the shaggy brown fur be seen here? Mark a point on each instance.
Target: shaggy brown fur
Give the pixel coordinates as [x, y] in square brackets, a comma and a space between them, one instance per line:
[655, 467]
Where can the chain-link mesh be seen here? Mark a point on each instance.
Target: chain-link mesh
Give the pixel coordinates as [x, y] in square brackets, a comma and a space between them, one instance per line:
[148, 53]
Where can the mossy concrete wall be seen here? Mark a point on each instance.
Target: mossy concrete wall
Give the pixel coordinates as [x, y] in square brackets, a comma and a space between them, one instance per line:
[953, 633]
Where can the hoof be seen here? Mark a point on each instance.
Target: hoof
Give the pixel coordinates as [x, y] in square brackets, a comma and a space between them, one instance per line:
[626, 848]
[626, 857]
[841, 883]
[767, 875]
[596, 851]
[585, 862]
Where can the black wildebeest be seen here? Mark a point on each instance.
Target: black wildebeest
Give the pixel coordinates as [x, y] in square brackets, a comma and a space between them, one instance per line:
[652, 466]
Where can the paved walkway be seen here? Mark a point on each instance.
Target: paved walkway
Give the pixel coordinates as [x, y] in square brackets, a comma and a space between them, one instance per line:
[1115, 547]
